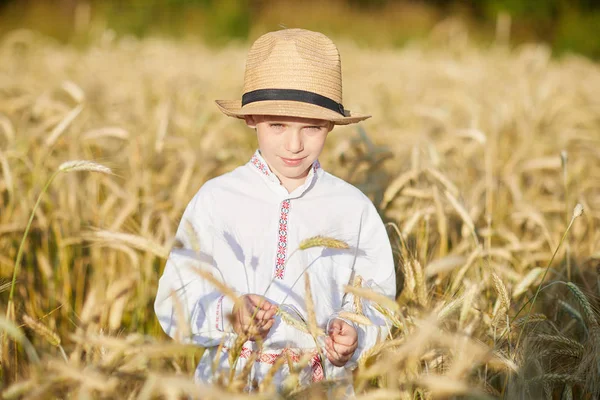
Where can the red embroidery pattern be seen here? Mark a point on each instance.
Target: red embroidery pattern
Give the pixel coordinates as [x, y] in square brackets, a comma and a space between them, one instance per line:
[316, 165]
[260, 165]
[282, 239]
[219, 319]
[295, 355]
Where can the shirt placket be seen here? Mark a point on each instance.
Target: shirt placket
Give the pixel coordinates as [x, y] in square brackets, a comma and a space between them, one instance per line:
[281, 252]
[282, 239]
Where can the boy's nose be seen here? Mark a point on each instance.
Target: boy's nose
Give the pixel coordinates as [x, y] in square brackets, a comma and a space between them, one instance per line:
[293, 141]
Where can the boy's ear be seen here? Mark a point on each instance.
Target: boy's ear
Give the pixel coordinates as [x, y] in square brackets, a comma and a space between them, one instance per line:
[251, 121]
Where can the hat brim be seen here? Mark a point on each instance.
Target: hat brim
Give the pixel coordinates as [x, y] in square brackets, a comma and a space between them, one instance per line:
[288, 108]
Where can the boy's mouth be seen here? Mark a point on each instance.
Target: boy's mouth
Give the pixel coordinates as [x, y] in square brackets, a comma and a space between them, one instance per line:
[292, 162]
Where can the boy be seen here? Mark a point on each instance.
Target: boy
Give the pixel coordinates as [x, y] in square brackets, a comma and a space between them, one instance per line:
[244, 226]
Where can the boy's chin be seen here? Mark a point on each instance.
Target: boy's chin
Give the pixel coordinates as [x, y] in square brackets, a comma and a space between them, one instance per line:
[294, 172]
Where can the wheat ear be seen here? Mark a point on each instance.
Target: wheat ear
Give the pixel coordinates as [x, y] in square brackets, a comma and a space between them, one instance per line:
[69, 166]
[503, 298]
[291, 321]
[354, 317]
[356, 300]
[370, 294]
[322, 241]
[577, 212]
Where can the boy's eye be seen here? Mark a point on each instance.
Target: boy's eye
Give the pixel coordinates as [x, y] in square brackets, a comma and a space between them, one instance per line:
[276, 125]
[314, 128]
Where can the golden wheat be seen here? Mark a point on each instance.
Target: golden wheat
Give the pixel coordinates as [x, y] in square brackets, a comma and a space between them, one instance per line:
[478, 182]
[322, 241]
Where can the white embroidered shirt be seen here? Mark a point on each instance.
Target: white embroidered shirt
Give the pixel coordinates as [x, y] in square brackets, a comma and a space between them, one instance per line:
[244, 227]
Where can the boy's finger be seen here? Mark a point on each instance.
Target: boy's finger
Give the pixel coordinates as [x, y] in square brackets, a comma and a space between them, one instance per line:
[251, 330]
[266, 324]
[260, 316]
[264, 330]
[264, 315]
[342, 339]
[269, 324]
[253, 301]
[336, 360]
[271, 312]
[336, 325]
[341, 349]
[332, 355]
[337, 349]
[329, 343]
[266, 304]
[260, 301]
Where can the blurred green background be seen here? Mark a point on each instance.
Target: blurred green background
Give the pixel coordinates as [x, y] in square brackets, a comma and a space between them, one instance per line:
[567, 25]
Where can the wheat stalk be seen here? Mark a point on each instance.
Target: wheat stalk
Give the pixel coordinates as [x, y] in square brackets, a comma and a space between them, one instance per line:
[462, 212]
[447, 183]
[559, 339]
[240, 380]
[234, 353]
[572, 312]
[442, 223]
[577, 212]
[135, 241]
[354, 317]
[449, 308]
[18, 389]
[574, 353]
[84, 165]
[63, 125]
[532, 318]
[503, 297]
[42, 330]
[584, 302]
[10, 329]
[291, 321]
[557, 378]
[396, 186]
[192, 235]
[374, 296]
[69, 166]
[420, 285]
[389, 315]
[310, 307]
[322, 241]
[527, 281]
[356, 301]
[313, 327]
[221, 287]
[270, 375]
[409, 280]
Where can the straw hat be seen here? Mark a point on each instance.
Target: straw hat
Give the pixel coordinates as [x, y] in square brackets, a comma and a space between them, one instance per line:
[296, 73]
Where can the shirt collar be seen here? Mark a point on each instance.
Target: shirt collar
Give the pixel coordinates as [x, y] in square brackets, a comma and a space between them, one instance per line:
[259, 164]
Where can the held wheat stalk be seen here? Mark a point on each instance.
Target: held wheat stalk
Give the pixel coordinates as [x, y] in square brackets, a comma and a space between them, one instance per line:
[322, 241]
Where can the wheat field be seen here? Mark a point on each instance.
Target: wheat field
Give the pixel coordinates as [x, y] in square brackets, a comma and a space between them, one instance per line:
[483, 161]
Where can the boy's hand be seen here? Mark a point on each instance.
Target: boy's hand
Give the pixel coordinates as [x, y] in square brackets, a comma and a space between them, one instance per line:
[253, 316]
[341, 343]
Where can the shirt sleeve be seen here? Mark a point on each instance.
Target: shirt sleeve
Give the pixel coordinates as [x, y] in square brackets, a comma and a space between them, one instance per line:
[374, 263]
[188, 307]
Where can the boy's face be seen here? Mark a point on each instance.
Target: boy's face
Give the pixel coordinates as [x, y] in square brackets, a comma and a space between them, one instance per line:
[289, 144]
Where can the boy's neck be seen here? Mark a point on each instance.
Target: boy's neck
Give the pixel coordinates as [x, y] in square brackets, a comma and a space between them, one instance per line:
[294, 183]
[291, 184]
